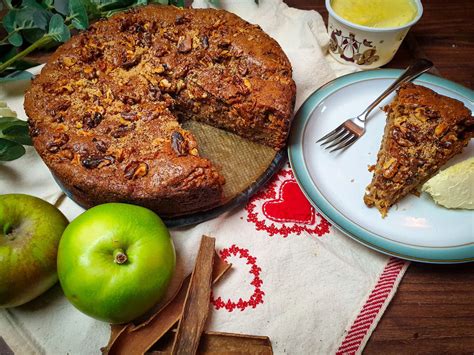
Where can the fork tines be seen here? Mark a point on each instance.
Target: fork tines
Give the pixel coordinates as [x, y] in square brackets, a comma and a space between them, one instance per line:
[341, 137]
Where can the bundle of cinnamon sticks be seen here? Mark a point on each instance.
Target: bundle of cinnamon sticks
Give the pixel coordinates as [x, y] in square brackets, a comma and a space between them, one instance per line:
[189, 309]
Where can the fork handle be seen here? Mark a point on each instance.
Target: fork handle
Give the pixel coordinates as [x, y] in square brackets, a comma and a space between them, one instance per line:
[411, 73]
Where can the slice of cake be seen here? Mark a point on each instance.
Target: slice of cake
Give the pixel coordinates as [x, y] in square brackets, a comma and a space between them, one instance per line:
[423, 131]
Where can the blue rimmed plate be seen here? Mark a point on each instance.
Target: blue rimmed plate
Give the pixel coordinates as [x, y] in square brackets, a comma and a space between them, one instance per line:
[416, 228]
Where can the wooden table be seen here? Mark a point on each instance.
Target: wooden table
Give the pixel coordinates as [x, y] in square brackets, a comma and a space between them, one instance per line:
[433, 310]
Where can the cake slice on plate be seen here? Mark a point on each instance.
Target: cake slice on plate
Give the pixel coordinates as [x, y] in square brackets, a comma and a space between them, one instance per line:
[423, 131]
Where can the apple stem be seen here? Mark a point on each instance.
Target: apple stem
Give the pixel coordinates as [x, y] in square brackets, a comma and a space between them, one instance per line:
[7, 228]
[120, 257]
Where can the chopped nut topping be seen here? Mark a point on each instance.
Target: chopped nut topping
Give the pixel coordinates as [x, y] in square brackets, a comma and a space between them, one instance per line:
[91, 162]
[178, 144]
[185, 44]
[205, 42]
[136, 169]
[92, 121]
[69, 61]
[165, 84]
[440, 129]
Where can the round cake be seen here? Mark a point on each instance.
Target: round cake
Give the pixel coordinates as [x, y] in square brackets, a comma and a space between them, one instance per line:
[105, 113]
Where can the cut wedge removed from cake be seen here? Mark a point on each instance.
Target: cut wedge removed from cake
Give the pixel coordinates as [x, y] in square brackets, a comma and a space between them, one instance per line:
[423, 131]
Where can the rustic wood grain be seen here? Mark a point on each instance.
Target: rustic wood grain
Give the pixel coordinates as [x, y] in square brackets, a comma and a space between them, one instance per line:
[432, 312]
[222, 343]
[445, 34]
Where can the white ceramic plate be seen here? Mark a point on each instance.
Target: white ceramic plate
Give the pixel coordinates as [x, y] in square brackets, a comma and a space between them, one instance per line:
[416, 228]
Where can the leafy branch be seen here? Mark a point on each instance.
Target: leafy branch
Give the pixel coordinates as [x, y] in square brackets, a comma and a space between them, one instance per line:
[13, 134]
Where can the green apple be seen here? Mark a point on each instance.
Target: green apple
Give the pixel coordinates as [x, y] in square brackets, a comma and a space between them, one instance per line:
[115, 261]
[30, 230]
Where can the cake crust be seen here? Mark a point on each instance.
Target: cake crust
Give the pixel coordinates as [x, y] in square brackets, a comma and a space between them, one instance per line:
[423, 131]
[105, 112]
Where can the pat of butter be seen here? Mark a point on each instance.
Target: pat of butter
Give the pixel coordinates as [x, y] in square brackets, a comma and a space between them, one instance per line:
[454, 186]
[376, 13]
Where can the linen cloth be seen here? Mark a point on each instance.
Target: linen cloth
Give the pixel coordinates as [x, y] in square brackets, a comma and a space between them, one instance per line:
[295, 278]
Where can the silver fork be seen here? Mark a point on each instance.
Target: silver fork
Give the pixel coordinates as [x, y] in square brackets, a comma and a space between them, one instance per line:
[352, 129]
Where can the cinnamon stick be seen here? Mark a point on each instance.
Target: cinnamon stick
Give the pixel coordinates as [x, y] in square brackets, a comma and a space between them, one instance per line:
[196, 306]
[222, 343]
[137, 339]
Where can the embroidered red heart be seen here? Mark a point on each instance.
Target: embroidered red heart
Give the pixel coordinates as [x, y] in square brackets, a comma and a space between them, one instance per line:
[291, 206]
[257, 296]
[282, 209]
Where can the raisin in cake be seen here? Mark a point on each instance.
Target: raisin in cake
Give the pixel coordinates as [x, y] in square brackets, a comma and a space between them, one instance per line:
[423, 131]
[105, 112]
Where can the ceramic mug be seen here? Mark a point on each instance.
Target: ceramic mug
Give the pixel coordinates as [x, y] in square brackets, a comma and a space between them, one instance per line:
[362, 46]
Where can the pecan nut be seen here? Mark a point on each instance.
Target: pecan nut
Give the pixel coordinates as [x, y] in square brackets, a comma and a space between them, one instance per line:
[136, 169]
[91, 162]
[390, 168]
[57, 143]
[92, 121]
[178, 143]
[185, 44]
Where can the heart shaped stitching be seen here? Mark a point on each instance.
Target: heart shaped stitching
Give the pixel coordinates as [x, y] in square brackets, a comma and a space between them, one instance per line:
[290, 206]
[278, 223]
[257, 296]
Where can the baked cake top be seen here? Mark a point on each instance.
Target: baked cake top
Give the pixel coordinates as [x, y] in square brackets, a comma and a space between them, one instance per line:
[103, 112]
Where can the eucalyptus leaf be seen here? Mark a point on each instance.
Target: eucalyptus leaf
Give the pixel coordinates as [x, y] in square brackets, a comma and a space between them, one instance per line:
[15, 39]
[10, 150]
[31, 4]
[15, 76]
[57, 29]
[41, 18]
[78, 13]
[8, 3]
[17, 20]
[17, 67]
[17, 133]
[31, 36]
[177, 3]
[106, 5]
[48, 3]
[8, 54]
[8, 121]
[61, 6]
[92, 9]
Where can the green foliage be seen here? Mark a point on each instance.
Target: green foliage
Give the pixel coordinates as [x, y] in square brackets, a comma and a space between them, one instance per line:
[57, 29]
[16, 75]
[13, 135]
[78, 13]
[10, 150]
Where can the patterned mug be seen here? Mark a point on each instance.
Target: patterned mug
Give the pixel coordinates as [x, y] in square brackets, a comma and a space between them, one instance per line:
[362, 46]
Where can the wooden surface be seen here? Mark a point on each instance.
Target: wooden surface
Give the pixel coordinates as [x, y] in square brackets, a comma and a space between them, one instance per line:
[433, 310]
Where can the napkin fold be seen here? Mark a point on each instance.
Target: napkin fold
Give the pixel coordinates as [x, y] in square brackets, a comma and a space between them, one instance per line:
[295, 278]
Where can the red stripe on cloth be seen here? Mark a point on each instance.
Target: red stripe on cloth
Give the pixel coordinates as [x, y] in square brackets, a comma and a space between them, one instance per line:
[377, 298]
